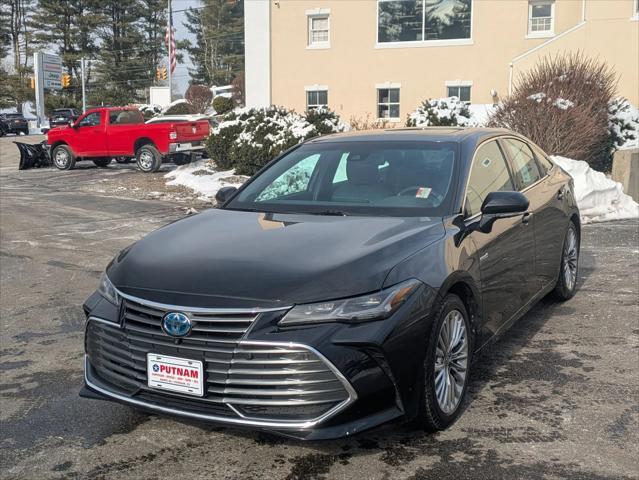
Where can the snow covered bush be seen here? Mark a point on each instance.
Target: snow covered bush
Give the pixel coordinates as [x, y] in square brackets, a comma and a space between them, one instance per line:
[562, 105]
[223, 105]
[623, 124]
[247, 139]
[325, 121]
[442, 112]
[182, 108]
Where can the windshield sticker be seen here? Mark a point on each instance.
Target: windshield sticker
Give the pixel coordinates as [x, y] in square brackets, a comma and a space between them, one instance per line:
[423, 192]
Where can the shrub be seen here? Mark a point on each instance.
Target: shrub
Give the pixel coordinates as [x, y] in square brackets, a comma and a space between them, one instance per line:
[182, 108]
[442, 112]
[199, 96]
[247, 139]
[359, 123]
[623, 123]
[223, 105]
[325, 121]
[562, 105]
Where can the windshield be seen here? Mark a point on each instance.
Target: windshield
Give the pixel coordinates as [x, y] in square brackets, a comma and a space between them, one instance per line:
[356, 178]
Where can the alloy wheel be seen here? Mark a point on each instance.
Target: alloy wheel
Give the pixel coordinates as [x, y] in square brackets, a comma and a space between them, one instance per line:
[451, 362]
[571, 255]
[61, 158]
[146, 160]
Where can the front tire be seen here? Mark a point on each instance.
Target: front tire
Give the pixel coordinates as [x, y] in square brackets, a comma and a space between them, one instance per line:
[63, 157]
[569, 268]
[148, 158]
[446, 366]
[102, 162]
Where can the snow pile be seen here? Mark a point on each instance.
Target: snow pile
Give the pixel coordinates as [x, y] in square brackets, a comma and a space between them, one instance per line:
[201, 177]
[440, 112]
[599, 198]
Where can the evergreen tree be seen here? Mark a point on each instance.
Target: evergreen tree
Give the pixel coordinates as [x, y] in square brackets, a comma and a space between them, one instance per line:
[69, 26]
[121, 72]
[218, 51]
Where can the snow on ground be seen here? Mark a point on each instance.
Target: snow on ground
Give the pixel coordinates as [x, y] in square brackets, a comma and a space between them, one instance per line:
[202, 177]
[599, 198]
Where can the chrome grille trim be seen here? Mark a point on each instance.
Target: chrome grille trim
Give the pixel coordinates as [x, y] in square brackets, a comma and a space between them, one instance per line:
[195, 310]
[306, 378]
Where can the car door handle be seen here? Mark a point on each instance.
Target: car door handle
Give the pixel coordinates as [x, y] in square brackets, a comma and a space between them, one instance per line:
[526, 218]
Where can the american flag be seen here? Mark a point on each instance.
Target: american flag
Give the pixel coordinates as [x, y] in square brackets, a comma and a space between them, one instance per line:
[171, 38]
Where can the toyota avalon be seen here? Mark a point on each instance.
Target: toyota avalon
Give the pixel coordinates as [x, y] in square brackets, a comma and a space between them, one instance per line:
[347, 284]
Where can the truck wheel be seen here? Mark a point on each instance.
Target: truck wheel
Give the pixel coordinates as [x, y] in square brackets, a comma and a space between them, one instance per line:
[63, 157]
[148, 158]
[101, 162]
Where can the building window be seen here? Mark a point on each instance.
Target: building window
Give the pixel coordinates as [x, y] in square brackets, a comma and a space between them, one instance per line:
[541, 17]
[388, 103]
[423, 20]
[316, 99]
[460, 91]
[318, 31]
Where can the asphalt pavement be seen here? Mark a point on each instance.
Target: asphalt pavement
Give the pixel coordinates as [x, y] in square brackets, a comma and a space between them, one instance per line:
[555, 397]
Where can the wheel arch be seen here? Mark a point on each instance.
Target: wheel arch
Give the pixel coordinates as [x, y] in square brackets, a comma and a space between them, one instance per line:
[61, 142]
[142, 141]
[464, 286]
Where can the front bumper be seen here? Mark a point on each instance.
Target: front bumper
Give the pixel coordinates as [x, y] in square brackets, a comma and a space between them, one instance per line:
[324, 381]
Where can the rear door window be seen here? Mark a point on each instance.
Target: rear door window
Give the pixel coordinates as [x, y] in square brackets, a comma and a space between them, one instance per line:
[523, 162]
[542, 159]
[489, 173]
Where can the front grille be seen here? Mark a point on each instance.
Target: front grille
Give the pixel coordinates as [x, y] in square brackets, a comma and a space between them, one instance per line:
[256, 380]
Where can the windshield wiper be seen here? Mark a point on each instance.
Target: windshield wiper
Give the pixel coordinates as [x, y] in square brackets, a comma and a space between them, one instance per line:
[335, 213]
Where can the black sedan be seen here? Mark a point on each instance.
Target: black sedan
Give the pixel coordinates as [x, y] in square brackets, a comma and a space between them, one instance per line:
[13, 123]
[347, 284]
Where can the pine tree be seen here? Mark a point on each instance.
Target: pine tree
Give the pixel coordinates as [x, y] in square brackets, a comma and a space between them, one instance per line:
[122, 77]
[218, 51]
[69, 26]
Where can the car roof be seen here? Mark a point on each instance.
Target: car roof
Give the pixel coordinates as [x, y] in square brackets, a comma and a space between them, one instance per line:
[416, 134]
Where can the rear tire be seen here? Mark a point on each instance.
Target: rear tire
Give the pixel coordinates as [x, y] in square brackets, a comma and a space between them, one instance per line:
[63, 158]
[569, 267]
[446, 367]
[102, 162]
[148, 158]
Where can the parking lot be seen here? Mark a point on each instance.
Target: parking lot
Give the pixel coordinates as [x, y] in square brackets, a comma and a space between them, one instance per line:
[556, 397]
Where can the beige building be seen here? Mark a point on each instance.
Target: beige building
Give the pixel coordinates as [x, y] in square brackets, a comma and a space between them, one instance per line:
[381, 58]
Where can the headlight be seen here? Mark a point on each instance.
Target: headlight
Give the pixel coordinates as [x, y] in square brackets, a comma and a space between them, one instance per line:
[372, 306]
[107, 290]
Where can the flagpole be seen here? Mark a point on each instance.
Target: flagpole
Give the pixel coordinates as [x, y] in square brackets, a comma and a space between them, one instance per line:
[170, 35]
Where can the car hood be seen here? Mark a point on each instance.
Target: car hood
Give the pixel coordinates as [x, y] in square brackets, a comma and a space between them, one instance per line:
[224, 258]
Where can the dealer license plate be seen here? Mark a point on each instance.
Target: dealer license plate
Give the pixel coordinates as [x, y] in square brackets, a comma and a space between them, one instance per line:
[174, 374]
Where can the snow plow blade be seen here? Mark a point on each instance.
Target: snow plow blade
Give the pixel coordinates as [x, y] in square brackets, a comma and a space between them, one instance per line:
[33, 156]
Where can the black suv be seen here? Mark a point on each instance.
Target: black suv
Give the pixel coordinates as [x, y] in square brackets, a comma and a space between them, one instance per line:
[63, 116]
[13, 123]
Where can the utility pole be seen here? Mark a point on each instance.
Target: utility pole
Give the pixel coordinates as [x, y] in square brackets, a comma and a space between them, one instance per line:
[84, 96]
[170, 37]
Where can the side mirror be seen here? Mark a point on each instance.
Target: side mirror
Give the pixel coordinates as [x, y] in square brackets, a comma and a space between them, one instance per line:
[501, 205]
[224, 194]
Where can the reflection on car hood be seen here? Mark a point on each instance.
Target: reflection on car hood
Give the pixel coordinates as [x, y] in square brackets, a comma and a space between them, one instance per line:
[224, 258]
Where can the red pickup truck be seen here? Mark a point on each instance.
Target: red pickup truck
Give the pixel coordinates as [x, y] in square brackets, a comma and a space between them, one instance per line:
[106, 132]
